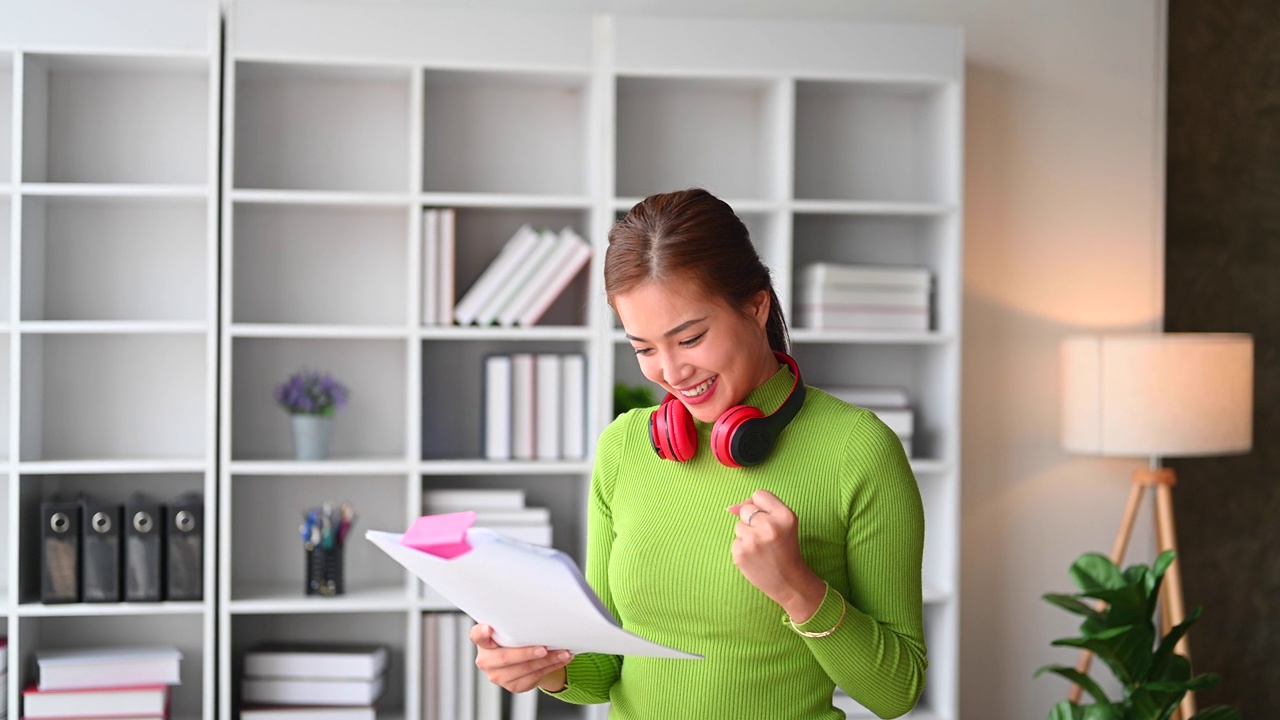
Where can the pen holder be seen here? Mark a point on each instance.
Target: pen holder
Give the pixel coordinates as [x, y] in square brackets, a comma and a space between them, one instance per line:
[324, 571]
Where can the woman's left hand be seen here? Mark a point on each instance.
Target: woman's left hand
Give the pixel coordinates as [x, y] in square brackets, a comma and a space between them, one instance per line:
[767, 551]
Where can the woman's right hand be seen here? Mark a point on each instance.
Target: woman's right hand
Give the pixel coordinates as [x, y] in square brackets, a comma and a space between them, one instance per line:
[519, 669]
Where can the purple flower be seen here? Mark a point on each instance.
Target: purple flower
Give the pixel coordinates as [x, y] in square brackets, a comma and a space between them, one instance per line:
[311, 392]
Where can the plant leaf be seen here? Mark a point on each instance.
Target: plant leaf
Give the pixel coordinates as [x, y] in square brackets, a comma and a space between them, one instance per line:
[1078, 678]
[1093, 572]
[1171, 638]
[1100, 711]
[1218, 712]
[1072, 604]
[1066, 710]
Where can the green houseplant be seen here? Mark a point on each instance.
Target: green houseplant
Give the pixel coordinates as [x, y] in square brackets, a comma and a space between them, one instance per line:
[1122, 634]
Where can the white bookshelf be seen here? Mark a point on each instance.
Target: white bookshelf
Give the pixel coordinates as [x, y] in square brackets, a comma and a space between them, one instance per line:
[108, 302]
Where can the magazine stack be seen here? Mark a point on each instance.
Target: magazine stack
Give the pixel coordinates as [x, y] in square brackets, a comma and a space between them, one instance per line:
[313, 681]
[125, 682]
[865, 297]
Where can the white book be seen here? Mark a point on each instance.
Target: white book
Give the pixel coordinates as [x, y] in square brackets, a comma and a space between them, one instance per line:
[870, 396]
[130, 666]
[841, 297]
[299, 691]
[866, 275]
[512, 255]
[524, 706]
[900, 420]
[523, 516]
[446, 226]
[522, 275]
[488, 696]
[547, 407]
[430, 666]
[497, 407]
[317, 661]
[122, 702]
[447, 651]
[465, 652]
[523, 399]
[307, 712]
[573, 411]
[553, 284]
[478, 499]
[826, 318]
[430, 259]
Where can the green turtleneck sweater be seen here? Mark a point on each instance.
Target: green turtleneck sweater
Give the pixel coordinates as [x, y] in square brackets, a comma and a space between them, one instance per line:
[659, 556]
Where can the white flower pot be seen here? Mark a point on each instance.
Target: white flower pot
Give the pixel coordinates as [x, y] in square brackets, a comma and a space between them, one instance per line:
[311, 436]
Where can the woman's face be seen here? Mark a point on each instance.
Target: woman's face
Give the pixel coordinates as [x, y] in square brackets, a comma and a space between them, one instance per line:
[706, 353]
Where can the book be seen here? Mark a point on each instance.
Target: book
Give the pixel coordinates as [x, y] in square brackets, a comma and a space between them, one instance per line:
[315, 660]
[430, 685]
[446, 221]
[117, 702]
[307, 712]
[866, 276]
[532, 265]
[497, 407]
[465, 652]
[524, 706]
[870, 396]
[832, 317]
[512, 255]
[429, 261]
[573, 410]
[446, 652]
[523, 406]
[128, 666]
[435, 502]
[303, 691]
[4, 655]
[900, 420]
[547, 406]
[523, 516]
[553, 283]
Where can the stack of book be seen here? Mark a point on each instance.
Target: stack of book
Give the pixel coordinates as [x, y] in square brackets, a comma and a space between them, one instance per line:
[535, 406]
[864, 297]
[125, 682]
[502, 511]
[4, 678]
[438, 248]
[453, 688]
[890, 404]
[529, 273]
[313, 681]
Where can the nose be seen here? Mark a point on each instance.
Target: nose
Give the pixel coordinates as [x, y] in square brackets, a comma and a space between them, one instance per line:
[674, 370]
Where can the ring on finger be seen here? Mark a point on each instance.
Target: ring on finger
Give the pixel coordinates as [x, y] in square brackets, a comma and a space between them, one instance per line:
[751, 515]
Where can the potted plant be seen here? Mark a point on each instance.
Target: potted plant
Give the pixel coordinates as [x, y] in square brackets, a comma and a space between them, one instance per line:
[1122, 634]
[311, 398]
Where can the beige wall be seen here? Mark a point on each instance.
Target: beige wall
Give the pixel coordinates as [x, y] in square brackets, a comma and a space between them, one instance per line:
[1064, 207]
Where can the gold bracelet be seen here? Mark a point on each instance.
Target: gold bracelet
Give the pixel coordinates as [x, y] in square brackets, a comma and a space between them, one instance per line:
[844, 608]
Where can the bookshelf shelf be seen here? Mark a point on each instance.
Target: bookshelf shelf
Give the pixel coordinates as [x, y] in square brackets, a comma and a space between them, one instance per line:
[321, 197]
[334, 466]
[538, 332]
[503, 467]
[318, 331]
[267, 599]
[35, 609]
[108, 466]
[506, 200]
[111, 327]
[153, 191]
[854, 207]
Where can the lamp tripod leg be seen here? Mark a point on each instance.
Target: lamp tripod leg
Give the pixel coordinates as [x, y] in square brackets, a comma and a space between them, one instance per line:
[1172, 601]
[1117, 554]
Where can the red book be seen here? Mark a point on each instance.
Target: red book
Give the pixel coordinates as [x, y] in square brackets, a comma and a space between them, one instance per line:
[119, 702]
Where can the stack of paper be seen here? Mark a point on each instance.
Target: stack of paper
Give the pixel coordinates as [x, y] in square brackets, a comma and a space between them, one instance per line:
[130, 682]
[313, 681]
[864, 297]
[890, 404]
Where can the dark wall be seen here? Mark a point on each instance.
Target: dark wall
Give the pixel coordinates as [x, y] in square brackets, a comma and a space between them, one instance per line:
[1222, 273]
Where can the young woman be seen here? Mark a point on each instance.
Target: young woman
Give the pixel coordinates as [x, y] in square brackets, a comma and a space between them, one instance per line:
[785, 549]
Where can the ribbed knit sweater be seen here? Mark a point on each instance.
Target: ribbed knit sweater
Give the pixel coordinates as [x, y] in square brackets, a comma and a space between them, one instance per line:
[659, 556]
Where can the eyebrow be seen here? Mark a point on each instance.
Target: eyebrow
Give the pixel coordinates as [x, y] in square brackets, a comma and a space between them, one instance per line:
[673, 331]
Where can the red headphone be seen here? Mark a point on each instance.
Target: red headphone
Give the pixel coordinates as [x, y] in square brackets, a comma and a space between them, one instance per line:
[741, 437]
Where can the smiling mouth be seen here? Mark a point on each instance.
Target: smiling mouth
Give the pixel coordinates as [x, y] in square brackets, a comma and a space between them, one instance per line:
[700, 388]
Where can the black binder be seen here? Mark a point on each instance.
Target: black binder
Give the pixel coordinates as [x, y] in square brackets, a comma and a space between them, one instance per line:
[184, 548]
[59, 552]
[100, 545]
[143, 549]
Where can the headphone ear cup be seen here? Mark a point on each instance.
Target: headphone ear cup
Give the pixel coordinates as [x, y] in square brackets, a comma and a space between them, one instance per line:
[729, 425]
[672, 432]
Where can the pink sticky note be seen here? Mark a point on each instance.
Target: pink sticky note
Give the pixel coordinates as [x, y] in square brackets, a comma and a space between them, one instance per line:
[444, 536]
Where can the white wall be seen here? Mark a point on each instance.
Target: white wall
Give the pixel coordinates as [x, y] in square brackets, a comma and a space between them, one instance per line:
[1064, 228]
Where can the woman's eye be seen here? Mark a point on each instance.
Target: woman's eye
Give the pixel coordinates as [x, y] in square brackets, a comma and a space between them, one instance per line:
[643, 351]
[691, 341]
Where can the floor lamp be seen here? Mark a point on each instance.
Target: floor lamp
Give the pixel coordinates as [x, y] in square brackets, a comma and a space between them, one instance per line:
[1157, 395]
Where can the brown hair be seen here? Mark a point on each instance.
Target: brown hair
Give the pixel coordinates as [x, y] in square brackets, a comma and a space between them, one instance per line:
[695, 236]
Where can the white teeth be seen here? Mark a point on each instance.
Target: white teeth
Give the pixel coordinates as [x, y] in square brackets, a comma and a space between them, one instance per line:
[703, 387]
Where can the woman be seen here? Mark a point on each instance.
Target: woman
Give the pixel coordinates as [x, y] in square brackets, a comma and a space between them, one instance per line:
[812, 578]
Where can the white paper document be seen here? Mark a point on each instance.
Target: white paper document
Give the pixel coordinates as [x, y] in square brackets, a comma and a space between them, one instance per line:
[530, 595]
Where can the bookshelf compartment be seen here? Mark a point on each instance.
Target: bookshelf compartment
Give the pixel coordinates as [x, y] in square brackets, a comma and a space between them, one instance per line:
[372, 426]
[390, 629]
[90, 119]
[105, 397]
[6, 118]
[267, 558]
[321, 127]
[562, 495]
[508, 133]
[923, 371]
[455, 431]
[185, 632]
[718, 134]
[6, 256]
[481, 233]
[114, 259]
[940, 559]
[6, 541]
[288, 259]
[104, 487]
[874, 141]
[927, 242]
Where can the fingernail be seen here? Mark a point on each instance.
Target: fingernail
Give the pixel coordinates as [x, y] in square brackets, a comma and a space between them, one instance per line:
[540, 652]
[734, 508]
[566, 655]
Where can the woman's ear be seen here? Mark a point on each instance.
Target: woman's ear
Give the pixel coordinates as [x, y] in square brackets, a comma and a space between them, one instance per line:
[760, 307]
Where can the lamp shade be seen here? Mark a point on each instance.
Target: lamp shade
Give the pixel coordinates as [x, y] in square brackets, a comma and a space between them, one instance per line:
[1158, 395]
